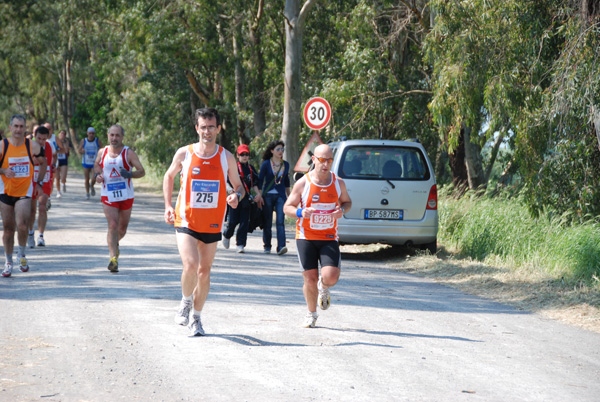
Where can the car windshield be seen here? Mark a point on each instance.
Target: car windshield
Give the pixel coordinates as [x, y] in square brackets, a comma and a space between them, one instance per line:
[384, 163]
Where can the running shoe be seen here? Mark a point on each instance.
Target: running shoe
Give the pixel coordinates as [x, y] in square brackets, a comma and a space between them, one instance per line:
[48, 205]
[93, 191]
[58, 194]
[310, 320]
[41, 242]
[7, 270]
[87, 196]
[324, 300]
[24, 265]
[267, 251]
[113, 265]
[282, 251]
[196, 326]
[31, 241]
[182, 317]
[226, 242]
[240, 249]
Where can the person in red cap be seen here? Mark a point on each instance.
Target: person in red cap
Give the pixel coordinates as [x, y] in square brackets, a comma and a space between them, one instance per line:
[241, 214]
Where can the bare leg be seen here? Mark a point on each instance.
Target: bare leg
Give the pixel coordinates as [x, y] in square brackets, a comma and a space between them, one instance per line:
[197, 258]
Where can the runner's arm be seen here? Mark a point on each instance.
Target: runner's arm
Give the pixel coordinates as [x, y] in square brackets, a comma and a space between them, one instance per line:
[234, 178]
[135, 162]
[168, 181]
[290, 208]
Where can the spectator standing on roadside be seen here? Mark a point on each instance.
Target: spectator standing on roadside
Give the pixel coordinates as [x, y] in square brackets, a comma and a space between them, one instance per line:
[200, 211]
[318, 200]
[89, 148]
[40, 200]
[17, 158]
[241, 214]
[274, 182]
[62, 162]
[114, 169]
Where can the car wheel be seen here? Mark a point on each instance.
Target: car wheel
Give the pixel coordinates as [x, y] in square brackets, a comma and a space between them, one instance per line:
[432, 247]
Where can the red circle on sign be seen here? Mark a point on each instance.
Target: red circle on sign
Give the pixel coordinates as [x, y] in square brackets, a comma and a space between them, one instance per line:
[317, 113]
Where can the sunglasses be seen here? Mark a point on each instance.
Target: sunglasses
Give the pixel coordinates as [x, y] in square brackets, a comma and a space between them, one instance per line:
[323, 160]
[279, 149]
[244, 154]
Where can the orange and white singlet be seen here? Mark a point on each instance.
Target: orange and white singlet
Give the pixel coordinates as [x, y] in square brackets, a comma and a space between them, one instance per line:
[36, 168]
[19, 160]
[202, 200]
[321, 225]
[115, 187]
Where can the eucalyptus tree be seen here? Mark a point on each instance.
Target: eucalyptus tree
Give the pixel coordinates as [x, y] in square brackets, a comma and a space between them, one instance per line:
[489, 61]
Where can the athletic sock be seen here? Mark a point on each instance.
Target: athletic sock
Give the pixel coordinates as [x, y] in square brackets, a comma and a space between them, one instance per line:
[21, 251]
[41, 234]
[188, 298]
[8, 258]
[197, 312]
[31, 232]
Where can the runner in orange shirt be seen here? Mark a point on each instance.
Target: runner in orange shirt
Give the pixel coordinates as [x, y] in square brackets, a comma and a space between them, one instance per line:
[318, 200]
[200, 211]
[17, 157]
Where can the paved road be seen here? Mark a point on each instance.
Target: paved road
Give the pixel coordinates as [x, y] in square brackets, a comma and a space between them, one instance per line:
[72, 331]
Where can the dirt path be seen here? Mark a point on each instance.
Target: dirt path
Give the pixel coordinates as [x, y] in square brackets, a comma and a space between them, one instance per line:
[72, 331]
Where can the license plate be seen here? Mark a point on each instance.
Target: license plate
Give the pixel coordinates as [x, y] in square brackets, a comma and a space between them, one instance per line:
[393, 214]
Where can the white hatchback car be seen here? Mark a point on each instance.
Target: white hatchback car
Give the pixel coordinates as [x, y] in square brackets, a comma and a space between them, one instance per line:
[393, 190]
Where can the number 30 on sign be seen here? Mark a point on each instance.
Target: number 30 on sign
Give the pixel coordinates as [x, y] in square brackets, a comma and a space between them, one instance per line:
[317, 113]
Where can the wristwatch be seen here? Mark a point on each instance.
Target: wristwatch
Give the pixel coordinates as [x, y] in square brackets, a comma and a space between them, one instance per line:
[239, 196]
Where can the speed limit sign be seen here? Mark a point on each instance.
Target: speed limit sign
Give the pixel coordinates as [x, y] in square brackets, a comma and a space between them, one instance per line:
[317, 113]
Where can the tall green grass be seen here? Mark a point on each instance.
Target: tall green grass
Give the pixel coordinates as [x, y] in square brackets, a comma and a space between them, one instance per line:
[502, 229]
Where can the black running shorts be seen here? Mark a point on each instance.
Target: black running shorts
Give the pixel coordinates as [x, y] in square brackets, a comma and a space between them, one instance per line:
[310, 252]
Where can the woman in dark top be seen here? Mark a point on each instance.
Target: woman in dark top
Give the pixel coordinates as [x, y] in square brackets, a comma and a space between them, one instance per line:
[274, 181]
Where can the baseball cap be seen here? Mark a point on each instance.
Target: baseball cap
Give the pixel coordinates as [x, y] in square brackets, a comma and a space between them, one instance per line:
[243, 148]
[91, 130]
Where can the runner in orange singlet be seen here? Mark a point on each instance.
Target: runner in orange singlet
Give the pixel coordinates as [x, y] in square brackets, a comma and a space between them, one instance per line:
[17, 157]
[318, 200]
[200, 211]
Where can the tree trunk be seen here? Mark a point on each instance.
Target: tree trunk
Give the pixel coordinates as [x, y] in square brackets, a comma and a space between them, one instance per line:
[494, 155]
[458, 168]
[473, 161]
[239, 89]
[292, 106]
[596, 120]
[258, 88]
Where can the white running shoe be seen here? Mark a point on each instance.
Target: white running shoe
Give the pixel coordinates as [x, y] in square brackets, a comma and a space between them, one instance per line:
[226, 242]
[31, 241]
[41, 242]
[182, 317]
[240, 249]
[196, 326]
[324, 300]
[310, 320]
[58, 194]
[7, 270]
[24, 267]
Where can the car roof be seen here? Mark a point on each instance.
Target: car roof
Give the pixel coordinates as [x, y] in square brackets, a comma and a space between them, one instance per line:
[405, 143]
